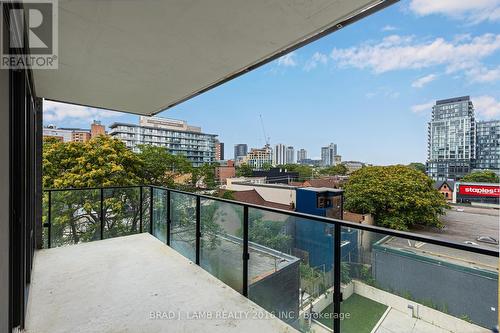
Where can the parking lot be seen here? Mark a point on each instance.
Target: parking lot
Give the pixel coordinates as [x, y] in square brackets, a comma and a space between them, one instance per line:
[464, 223]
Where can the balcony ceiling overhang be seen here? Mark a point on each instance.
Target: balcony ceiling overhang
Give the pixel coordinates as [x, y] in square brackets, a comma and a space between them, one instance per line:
[143, 57]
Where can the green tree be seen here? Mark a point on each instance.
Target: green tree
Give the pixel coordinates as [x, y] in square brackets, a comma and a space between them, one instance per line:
[399, 197]
[335, 170]
[305, 171]
[206, 174]
[269, 233]
[160, 167]
[101, 161]
[266, 166]
[244, 170]
[481, 177]
[417, 166]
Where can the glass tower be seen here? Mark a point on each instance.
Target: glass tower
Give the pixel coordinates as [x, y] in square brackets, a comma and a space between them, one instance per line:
[452, 136]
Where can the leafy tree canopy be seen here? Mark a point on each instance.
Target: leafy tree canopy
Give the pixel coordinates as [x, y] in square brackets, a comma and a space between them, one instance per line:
[398, 196]
[101, 161]
[305, 171]
[244, 170]
[206, 174]
[334, 170]
[481, 177]
[160, 167]
[266, 166]
[417, 166]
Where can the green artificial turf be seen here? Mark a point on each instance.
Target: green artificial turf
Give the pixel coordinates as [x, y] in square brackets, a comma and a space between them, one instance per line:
[364, 314]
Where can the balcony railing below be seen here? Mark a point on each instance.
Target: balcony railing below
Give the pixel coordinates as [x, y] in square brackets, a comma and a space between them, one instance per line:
[311, 272]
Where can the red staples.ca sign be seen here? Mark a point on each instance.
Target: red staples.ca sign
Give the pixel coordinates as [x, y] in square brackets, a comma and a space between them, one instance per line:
[479, 190]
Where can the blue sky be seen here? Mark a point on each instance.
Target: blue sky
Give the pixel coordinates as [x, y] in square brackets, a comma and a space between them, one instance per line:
[368, 87]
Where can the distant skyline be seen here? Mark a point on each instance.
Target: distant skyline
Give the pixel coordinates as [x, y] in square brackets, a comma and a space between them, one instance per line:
[369, 88]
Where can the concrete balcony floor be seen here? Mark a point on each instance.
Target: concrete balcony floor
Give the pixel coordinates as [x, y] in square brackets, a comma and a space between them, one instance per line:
[119, 284]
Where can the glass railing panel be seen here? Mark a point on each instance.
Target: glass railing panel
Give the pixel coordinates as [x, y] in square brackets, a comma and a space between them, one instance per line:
[45, 219]
[75, 216]
[221, 247]
[183, 227]
[290, 266]
[146, 211]
[121, 211]
[160, 214]
[397, 284]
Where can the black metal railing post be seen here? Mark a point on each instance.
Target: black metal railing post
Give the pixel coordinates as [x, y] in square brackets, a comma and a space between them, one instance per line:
[102, 213]
[151, 210]
[246, 254]
[198, 230]
[169, 220]
[337, 294]
[49, 222]
[140, 209]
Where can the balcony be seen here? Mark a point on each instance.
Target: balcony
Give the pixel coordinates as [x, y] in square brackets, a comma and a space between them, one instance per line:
[136, 284]
[152, 259]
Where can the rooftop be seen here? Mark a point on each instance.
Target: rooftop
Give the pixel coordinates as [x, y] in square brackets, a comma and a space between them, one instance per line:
[253, 197]
[442, 254]
[121, 283]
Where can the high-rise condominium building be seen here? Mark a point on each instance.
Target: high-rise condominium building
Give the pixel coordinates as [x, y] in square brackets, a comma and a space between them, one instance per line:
[257, 157]
[219, 150]
[301, 155]
[279, 156]
[488, 145]
[240, 151]
[176, 135]
[452, 139]
[328, 154]
[290, 155]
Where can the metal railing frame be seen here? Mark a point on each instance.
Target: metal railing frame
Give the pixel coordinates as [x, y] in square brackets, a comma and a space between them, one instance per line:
[337, 224]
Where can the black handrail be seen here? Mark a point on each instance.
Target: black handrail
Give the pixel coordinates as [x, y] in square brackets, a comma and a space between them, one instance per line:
[342, 223]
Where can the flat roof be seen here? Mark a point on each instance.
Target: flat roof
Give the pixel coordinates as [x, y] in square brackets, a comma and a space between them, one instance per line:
[441, 253]
[144, 57]
[453, 100]
[322, 189]
[115, 124]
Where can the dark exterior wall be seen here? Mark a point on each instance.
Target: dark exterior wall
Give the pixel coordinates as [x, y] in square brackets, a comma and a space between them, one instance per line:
[278, 293]
[4, 200]
[317, 238]
[457, 289]
[276, 175]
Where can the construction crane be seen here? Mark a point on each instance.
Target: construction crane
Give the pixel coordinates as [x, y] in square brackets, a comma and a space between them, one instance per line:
[266, 138]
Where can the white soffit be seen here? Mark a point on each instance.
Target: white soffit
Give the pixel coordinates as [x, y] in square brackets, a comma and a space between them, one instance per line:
[145, 56]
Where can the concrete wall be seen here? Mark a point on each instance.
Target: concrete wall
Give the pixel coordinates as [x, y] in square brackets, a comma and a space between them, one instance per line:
[460, 291]
[4, 200]
[278, 293]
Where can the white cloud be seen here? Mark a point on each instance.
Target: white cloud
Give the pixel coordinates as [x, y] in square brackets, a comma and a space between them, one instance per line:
[57, 112]
[483, 74]
[384, 92]
[288, 60]
[403, 52]
[486, 107]
[317, 58]
[389, 28]
[420, 82]
[422, 107]
[473, 11]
